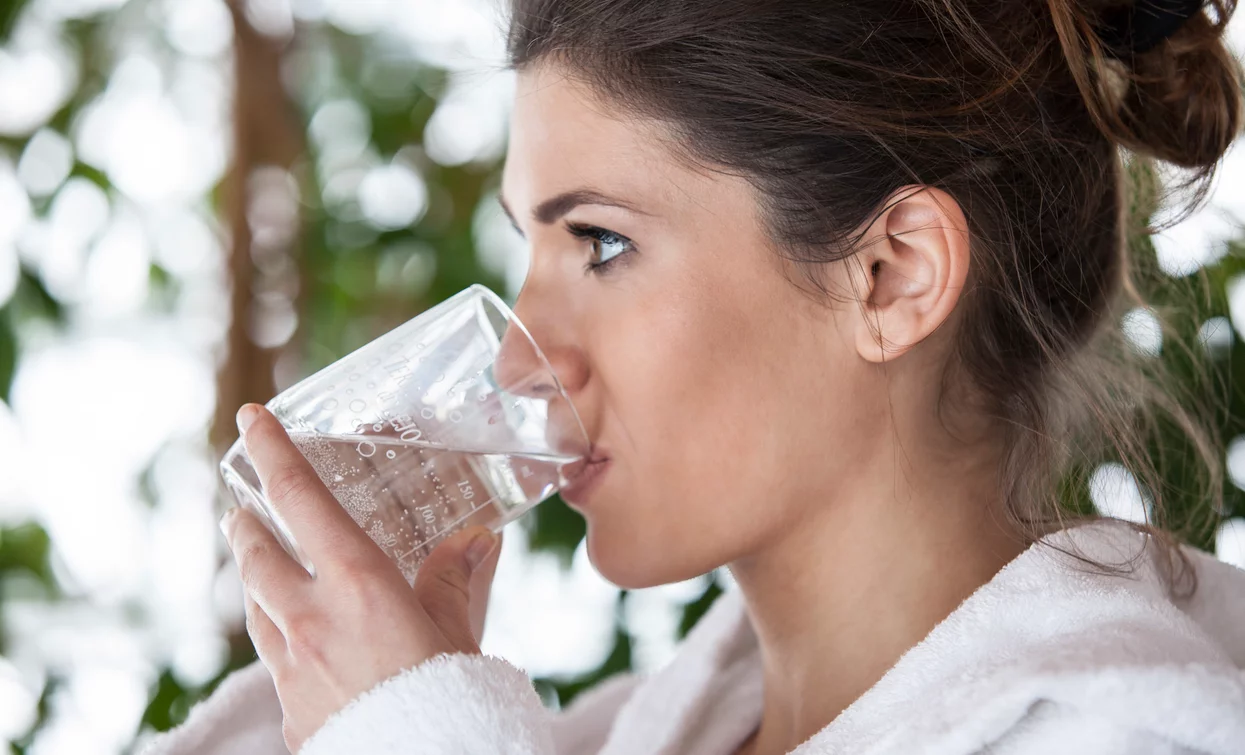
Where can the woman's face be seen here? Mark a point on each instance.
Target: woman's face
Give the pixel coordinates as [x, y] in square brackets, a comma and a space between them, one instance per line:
[727, 402]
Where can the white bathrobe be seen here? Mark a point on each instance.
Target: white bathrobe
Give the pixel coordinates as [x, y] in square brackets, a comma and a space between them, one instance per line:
[1044, 658]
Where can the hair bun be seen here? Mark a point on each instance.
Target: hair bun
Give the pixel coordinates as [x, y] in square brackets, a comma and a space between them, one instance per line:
[1137, 28]
[1183, 102]
[1177, 98]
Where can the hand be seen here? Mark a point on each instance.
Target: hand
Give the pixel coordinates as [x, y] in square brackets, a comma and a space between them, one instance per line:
[325, 640]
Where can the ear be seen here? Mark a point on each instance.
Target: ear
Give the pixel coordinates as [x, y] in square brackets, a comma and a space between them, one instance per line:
[913, 265]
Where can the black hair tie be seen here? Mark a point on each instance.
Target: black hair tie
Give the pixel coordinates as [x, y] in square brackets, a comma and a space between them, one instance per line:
[1134, 29]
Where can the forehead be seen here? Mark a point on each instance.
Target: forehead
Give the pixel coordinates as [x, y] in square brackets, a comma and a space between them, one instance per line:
[562, 138]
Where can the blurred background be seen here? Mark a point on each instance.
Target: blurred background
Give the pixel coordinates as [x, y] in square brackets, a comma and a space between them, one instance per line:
[201, 202]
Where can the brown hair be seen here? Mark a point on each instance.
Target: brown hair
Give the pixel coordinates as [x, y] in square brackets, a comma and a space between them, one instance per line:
[1017, 110]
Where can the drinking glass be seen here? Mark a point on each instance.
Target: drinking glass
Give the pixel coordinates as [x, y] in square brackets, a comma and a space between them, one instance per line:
[453, 419]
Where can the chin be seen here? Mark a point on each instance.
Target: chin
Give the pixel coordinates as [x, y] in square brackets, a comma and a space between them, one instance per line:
[633, 563]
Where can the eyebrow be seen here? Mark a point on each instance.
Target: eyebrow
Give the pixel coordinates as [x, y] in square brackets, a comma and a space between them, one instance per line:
[555, 207]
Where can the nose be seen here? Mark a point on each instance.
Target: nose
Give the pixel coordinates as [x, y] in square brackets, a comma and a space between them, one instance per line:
[519, 368]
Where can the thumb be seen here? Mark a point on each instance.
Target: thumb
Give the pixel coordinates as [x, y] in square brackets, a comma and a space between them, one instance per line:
[443, 583]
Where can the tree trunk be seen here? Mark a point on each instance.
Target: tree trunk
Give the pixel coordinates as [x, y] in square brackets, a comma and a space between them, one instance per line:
[267, 131]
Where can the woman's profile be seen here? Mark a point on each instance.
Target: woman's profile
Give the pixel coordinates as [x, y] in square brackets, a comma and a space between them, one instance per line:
[836, 288]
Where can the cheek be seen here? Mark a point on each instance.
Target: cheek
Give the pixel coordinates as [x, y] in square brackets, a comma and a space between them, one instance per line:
[699, 423]
[679, 374]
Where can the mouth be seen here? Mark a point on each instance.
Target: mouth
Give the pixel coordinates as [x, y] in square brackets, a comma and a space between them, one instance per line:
[583, 477]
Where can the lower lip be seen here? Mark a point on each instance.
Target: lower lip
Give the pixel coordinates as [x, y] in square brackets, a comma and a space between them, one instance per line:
[577, 493]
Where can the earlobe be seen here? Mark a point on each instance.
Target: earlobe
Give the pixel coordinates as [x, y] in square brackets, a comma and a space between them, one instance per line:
[916, 254]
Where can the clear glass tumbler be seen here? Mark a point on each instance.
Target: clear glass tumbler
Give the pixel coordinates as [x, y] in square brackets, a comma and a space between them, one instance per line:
[453, 419]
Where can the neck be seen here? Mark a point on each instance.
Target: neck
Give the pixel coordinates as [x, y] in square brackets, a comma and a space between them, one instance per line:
[841, 598]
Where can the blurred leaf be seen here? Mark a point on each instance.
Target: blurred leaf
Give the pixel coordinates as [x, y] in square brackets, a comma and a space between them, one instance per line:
[160, 712]
[164, 289]
[8, 353]
[32, 300]
[147, 490]
[27, 546]
[92, 174]
[553, 527]
[9, 11]
[55, 681]
[619, 660]
[692, 612]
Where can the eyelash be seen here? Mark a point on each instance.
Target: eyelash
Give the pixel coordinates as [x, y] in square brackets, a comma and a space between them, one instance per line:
[600, 235]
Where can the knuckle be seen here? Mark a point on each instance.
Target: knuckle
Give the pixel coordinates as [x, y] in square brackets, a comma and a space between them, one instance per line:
[250, 560]
[252, 624]
[288, 483]
[451, 583]
[359, 586]
[303, 638]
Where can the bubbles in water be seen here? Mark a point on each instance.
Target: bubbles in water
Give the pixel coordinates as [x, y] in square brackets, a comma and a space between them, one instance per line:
[330, 404]
[390, 454]
[378, 427]
[456, 416]
[366, 449]
[349, 391]
[427, 412]
[358, 405]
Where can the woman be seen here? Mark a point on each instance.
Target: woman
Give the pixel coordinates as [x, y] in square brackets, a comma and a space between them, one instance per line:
[835, 287]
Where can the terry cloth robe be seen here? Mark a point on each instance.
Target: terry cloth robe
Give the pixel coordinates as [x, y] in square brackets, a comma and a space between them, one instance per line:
[1044, 658]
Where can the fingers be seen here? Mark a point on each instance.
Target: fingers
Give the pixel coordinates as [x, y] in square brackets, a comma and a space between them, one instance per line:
[443, 588]
[322, 528]
[270, 576]
[481, 587]
[265, 636]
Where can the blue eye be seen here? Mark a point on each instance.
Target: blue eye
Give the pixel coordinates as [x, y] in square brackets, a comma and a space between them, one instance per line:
[607, 246]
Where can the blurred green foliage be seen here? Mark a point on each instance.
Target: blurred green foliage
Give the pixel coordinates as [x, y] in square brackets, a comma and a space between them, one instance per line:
[9, 11]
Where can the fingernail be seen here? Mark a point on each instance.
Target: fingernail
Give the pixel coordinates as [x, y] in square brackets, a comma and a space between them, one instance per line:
[226, 522]
[479, 548]
[246, 415]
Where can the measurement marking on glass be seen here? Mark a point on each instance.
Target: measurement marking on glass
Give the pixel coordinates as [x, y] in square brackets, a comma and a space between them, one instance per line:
[447, 528]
